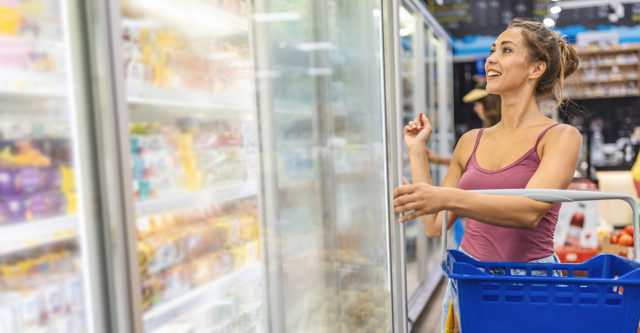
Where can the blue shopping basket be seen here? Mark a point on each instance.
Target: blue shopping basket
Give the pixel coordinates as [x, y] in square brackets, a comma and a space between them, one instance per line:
[599, 295]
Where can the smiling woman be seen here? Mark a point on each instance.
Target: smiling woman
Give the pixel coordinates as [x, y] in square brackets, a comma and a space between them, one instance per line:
[524, 150]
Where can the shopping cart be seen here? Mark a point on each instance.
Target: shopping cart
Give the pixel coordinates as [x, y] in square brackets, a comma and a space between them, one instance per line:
[599, 295]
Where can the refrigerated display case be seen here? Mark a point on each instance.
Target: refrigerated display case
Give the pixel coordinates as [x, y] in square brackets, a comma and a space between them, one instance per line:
[425, 85]
[322, 106]
[248, 163]
[187, 80]
[47, 218]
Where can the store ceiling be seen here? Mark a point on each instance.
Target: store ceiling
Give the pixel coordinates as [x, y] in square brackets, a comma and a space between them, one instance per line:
[489, 17]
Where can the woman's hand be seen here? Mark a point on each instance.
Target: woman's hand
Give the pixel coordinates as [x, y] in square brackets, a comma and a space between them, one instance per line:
[417, 132]
[421, 198]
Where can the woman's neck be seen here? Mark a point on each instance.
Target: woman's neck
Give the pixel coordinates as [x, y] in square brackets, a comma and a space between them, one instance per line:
[518, 110]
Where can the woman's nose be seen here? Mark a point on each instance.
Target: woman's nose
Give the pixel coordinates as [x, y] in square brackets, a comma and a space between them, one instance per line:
[492, 58]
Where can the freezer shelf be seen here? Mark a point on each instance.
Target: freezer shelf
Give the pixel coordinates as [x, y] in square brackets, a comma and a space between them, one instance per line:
[179, 201]
[22, 236]
[169, 311]
[183, 98]
[15, 83]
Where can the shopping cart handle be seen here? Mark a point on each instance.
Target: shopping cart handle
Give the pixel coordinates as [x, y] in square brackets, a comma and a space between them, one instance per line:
[558, 196]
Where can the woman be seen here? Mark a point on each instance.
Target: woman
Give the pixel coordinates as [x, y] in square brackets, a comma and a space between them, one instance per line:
[524, 150]
[485, 105]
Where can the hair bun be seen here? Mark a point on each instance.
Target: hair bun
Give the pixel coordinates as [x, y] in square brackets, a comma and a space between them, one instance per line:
[569, 56]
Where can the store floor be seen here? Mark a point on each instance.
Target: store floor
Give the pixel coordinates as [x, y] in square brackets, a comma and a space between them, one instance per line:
[430, 319]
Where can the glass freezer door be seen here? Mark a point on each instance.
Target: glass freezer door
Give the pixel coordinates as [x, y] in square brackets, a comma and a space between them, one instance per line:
[322, 115]
[188, 76]
[46, 272]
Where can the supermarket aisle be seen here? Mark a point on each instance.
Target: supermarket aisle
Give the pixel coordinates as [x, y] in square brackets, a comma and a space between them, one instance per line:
[429, 321]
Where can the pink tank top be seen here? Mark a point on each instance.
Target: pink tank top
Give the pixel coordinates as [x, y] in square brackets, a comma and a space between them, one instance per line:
[493, 243]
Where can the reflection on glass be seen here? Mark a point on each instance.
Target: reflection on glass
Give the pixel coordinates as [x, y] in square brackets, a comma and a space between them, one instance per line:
[188, 77]
[328, 114]
[41, 281]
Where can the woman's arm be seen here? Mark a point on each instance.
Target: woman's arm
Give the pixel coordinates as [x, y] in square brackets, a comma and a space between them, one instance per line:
[420, 174]
[560, 148]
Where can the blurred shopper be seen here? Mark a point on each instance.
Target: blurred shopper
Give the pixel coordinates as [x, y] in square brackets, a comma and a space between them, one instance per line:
[524, 150]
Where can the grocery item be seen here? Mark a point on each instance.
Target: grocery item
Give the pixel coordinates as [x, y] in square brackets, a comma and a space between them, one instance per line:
[180, 250]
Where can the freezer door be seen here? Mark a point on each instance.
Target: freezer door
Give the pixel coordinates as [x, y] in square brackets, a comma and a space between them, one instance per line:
[50, 263]
[188, 127]
[325, 146]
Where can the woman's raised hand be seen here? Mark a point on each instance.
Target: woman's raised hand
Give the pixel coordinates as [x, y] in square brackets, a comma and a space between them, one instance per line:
[417, 132]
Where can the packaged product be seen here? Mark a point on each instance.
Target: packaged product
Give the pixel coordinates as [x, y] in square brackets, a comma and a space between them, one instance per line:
[10, 311]
[226, 261]
[68, 178]
[72, 202]
[222, 234]
[196, 240]
[203, 270]
[26, 180]
[53, 299]
[16, 205]
[73, 292]
[239, 253]
[7, 179]
[31, 307]
[176, 281]
[145, 253]
[51, 178]
[9, 21]
[149, 292]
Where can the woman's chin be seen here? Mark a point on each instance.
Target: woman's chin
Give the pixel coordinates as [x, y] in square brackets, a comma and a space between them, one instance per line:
[492, 90]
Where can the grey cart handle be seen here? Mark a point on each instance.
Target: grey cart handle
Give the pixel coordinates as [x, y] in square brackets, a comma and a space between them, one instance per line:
[558, 196]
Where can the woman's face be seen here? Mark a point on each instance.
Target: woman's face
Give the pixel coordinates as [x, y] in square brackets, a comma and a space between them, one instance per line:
[479, 109]
[507, 66]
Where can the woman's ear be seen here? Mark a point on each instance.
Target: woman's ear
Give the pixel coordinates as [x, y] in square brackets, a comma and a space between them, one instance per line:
[537, 69]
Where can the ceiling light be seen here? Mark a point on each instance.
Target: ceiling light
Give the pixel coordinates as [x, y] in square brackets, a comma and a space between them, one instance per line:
[549, 22]
[405, 32]
[555, 9]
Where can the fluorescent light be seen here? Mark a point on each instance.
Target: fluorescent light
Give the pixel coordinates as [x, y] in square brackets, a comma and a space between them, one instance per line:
[555, 9]
[314, 46]
[319, 71]
[275, 17]
[376, 13]
[549, 22]
[405, 32]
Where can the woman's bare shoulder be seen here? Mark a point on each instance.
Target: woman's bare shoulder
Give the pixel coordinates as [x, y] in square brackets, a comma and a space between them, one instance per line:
[464, 147]
[562, 135]
[563, 132]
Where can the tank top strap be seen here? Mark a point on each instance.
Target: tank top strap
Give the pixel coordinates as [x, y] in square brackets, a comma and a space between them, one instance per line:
[477, 141]
[543, 133]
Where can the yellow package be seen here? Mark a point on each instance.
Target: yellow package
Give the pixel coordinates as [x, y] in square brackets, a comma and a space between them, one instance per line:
[68, 179]
[9, 21]
[239, 256]
[222, 231]
[145, 253]
[72, 202]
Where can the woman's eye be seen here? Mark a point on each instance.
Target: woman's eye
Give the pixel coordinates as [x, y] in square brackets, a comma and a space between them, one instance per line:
[492, 51]
[506, 50]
